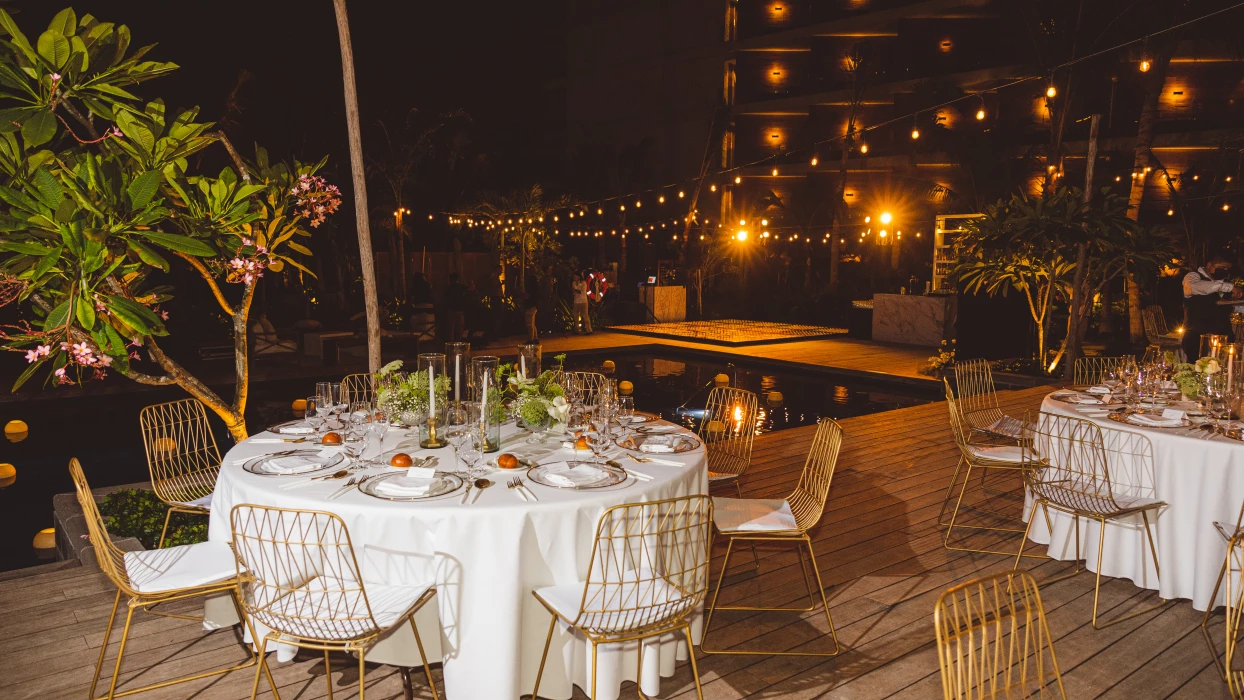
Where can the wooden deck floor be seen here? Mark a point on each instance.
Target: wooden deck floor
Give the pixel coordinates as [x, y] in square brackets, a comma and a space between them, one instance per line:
[879, 551]
[847, 355]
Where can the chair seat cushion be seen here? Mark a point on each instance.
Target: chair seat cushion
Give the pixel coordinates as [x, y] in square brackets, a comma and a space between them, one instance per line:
[186, 566]
[1008, 426]
[753, 515]
[201, 502]
[330, 609]
[993, 453]
[718, 476]
[617, 606]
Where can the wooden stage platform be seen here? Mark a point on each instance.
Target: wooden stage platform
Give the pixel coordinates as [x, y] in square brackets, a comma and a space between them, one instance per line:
[879, 551]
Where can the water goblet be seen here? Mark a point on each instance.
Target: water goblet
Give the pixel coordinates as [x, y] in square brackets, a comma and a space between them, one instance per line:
[625, 411]
[377, 428]
[473, 450]
[312, 414]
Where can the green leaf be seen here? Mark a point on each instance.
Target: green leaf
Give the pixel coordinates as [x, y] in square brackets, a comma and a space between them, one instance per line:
[136, 131]
[65, 22]
[133, 314]
[148, 255]
[25, 248]
[47, 262]
[181, 244]
[298, 248]
[54, 48]
[26, 375]
[39, 128]
[48, 188]
[86, 313]
[57, 318]
[143, 188]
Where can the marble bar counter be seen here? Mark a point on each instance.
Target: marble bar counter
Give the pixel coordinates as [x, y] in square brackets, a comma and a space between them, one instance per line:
[912, 319]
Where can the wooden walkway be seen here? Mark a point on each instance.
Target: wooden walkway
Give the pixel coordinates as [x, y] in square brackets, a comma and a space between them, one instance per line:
[879, 551]
[842, 355]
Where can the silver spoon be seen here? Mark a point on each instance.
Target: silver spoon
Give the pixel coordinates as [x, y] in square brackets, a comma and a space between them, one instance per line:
[481, 484]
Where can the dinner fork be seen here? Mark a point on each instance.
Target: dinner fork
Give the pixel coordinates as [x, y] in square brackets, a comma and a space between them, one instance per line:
[514, 485]
[353, 480]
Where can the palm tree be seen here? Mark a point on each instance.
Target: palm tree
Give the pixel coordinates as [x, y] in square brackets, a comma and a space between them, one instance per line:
[524, 219]
[357, 170]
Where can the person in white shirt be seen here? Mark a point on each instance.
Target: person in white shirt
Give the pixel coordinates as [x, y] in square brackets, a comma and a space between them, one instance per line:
[581, 312]
[1203, 288]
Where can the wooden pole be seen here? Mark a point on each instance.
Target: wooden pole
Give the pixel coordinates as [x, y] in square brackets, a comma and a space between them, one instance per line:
[1079, 315]
[366, 261]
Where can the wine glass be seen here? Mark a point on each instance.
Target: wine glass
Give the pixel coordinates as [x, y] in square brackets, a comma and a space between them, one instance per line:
[338, 399]
[473, 449]
[357, 420]
[625, 411]
[312, 414]
[457, 426]
[377, 427]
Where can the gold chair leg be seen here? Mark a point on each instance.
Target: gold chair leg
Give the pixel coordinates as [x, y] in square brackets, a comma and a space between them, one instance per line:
[262, 661]
[125, 634]
[167, 514]
[1097, 588]
[712, 606]
[1213, 652]
[535, 692]
[595, 647]
[328, 674]
[427, 669]
[954, 516]
[362, 674]
[950, 491]
[695, 670]
[263, 654]
[824, 601]
[103, 648]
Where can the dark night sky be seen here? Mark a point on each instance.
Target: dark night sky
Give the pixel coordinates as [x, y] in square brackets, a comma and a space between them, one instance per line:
[500, 61]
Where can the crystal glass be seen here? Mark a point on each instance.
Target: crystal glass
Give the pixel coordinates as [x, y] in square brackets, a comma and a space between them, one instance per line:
[312, 415]
[356, 420]
[1211, 346]
[625, 411]
[377, 428]
[433, 363]
[529, 356]
[473, 449]
[487, 394]
[458, 365]
[458, 423]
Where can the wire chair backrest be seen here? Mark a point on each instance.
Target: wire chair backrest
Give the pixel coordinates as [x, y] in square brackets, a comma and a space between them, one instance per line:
[808, 500]
[1235, 608]
[111, 559]
[181, 451]
[1159, 319]
[993, 640]
[586, 384]
[649, 566]
[728, 429]
[974, 382]
[1093, 370]
[957, 426]
[1151, 325]
[1069, 464]
[299, 574]
[358, 388]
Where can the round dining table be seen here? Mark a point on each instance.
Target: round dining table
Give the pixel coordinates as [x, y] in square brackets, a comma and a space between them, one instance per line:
[484, 558]
[1199, 477]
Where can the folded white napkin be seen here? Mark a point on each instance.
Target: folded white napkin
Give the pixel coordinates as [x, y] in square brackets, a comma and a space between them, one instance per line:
[562, 474]
[1154, 421]
[661, 429]
[295, 429]
[661, 443]
[293, 464]
[1098, 389]
[419, 473]
[265, 441]
[1072, 397]
[405, 486]
[667, 462]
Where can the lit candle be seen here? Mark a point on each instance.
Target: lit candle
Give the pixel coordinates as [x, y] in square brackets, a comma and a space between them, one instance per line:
[457, 382]
[483, 400]
[1230, 364]
[522, 365]
[431, 391]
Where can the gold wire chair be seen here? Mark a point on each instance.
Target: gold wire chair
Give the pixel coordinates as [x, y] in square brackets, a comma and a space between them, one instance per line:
[782, 520]
[983, 458]
[182, 457]
[152, 577]
[648, 573]
[993, 640]
[358, 388]
[1235, 606]
[1229, 534]
[588, 384]
[1157, 332]
[1093, 370]
[1067, 468]
[727, 429]
[978, 402]
[299, 577]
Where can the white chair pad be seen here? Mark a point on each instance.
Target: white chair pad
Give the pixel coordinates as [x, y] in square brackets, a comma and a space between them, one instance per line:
[718, 476]
[332, 610]
[1008, 426]
[617, 605]
[753, 515]
[1005, 453]
[202, 502]
[186, 566]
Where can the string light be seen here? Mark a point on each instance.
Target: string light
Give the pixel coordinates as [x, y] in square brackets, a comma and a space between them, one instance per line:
[737, 179]
[712, 188]
[814, 161]
[980, 114]
[638, 204]
[1050, 91]
[1170, 212]
[680, 194]
[775, 172]
[863, 148]
[1145, 62]
[661, 199]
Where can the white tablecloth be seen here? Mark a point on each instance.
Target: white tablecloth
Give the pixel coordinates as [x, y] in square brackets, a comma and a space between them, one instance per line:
[1200, 480]
[486, 558]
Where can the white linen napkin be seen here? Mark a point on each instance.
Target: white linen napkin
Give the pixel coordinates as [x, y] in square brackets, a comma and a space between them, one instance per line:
[413, 473]
[295, 429]
[562, 474]
[293, 464]
[405, 486]
[1098, 389]
[661, 443]
[1154, 421]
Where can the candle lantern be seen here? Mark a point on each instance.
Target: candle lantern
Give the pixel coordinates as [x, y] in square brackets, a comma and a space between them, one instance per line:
[431, 434]
[529, 355]
[1212, 346]
[458, 366]
[488, 393]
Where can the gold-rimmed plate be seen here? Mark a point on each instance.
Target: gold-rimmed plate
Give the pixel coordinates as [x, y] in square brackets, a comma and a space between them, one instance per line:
[635, 442]
[443, 484]
[263, 464]
[1124, 416]
[605, 475]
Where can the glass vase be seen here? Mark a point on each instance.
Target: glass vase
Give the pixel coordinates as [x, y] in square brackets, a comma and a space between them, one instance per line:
[529, 356]
[486, 391]
[433, 363]
[458, 365]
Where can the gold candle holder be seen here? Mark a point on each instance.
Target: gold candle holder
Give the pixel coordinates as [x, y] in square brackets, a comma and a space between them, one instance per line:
[433, 441]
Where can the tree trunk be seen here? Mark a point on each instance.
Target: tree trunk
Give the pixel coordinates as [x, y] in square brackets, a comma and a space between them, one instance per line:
[1076, 323]
[371, 303]
[835, 253]
[522, 262]
[403, 287]
[1141, 158]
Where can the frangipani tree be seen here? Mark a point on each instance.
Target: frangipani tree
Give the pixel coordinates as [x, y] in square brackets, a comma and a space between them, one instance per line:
[88, 223]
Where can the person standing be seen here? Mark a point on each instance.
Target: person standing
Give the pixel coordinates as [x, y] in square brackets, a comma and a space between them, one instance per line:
[1203, 288]
[531, 304]
[581, 312]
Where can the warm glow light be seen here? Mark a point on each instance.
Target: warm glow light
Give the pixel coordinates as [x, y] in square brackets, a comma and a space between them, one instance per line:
[1227, 178]
[621, 207]
[775, 172]
[863, 148]
[742, 222]
[915, 133]
[814, 161]
[741, 235]
[638, 204]
[1145, 65]
[680, 194]
[764, 222]
[712, 188]
[980, 115]
[1050, 92]
[1226, 207]
[661, 199]
[883, 233]
[1170, 212]
[737, 179]
[867, 219]
[886, 217]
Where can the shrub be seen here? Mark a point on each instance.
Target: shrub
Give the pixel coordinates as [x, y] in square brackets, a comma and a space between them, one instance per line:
[140, 514]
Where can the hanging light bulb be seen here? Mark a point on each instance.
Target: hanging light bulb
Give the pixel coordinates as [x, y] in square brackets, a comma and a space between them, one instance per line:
[1050, 91]
[1170, 212]
[638, 204]
[712, 188]
[915, 134]
[980, 114]
[661, 199]
[680, 194]
[737, 179]
[863, 148]
[775, 172]
[1145, 65]
[814, 161]
[1145, 62]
